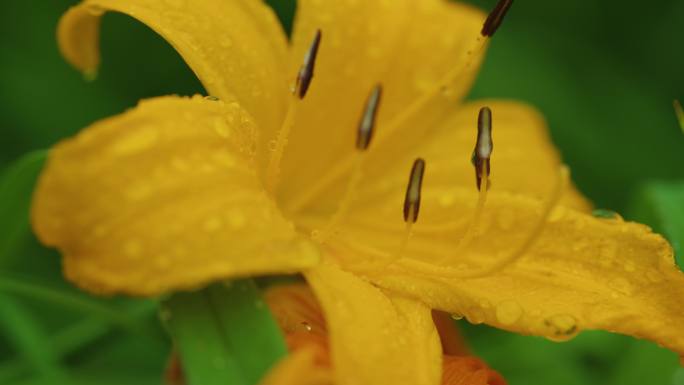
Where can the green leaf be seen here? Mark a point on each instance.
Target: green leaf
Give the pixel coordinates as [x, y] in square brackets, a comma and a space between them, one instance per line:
[224, 334]
[28, 337]
[16, 190]
[661, 206]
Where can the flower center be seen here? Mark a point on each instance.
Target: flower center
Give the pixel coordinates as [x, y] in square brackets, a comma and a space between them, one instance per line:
[353, 164]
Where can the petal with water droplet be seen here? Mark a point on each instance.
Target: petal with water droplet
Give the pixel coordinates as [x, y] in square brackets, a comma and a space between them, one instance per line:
[571, 279]
[199, 31]
[375, 338]
[127, 219]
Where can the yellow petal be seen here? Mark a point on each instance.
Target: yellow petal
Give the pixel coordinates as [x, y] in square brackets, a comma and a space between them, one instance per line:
[375, 338]
[299, 368]
[163, 197]
[524, 159]
[295, 308]
[236, 48]
[406, 45]
[581, 272]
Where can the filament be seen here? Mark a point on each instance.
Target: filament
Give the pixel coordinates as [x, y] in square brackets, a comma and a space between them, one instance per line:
[345, 203]
[273, 168]
[531, 238]
[303, 199]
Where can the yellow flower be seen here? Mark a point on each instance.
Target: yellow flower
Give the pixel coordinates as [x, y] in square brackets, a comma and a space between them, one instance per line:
[179, 192]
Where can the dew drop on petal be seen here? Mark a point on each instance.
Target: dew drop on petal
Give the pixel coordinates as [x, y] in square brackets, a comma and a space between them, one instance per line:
[654, 275]
[606, 214]
[475, 316]
[456, 316]
[236, 220]
[212, 224]
[621, 286]
[561, 327]
[132, 248]
[508, 312]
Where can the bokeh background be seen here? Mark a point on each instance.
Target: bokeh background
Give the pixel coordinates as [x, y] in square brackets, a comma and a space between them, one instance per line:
[604, 73]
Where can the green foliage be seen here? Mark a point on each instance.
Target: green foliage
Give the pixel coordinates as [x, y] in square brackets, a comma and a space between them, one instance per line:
[224, 334]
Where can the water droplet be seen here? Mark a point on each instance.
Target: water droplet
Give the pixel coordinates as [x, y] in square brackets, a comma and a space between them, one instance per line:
[212, 98]
[132, 248]
[306, 326]
[212, 224]
[446, 91]
[163, 262]
[446, 199]
[237, 220]
[180, 164]
[630, 266]
[475, 316]
[654, 275]
[456, 316]
[226, 42]
[95, 10]
[134, 142]
[561, 327]
[221, 128]
[557, 214]
[606, 214]
[508, 312]
[621, 286]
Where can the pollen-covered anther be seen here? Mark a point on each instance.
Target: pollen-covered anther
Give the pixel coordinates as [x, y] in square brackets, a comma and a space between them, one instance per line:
[306, 71]
[413, 191]
[483, 147]
[495, 18]
[368, 119]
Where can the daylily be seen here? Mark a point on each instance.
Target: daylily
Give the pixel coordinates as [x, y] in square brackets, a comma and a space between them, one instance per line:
[180, 192]
[301, 319]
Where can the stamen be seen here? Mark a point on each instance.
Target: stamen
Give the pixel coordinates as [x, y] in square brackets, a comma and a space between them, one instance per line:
[363, 140]
[367, 125]
[496, 17]
[306, 71]
[532, 237]
[481, 162]
[411, 208]
[483, 147]
[413, 192]
[478, 45]
[302, 84]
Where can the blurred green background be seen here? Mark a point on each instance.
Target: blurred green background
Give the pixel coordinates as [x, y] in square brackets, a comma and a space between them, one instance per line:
[604, 73]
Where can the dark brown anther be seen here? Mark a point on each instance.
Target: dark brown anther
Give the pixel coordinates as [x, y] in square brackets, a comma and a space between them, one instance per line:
[483, 147]
[306, 71]
[367, 124]
[495, 18]
[413, 191]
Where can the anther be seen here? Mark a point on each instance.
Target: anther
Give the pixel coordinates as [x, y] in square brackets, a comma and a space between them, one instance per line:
[483, 147]
[495, 18]
[413, 192]
[306, 71]
[367, 124]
